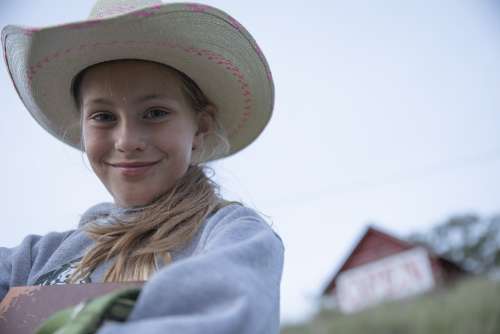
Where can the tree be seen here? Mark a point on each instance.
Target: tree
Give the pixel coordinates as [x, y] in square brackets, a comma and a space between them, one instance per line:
[468, 240]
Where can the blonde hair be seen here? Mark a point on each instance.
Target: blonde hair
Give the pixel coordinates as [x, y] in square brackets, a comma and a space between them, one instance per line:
[136, 244]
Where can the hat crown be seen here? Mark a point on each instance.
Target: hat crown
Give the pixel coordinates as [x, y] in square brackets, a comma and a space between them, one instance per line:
[108, 8]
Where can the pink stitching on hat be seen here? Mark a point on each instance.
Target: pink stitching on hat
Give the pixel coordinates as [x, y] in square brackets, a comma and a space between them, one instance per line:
[123, 9]
[237, 25]
[149, 11]
[198, 7]
[143, 13]
[83, 25]
[234, 23]
[116, 9]
[210, 55]
[258, 50]
[30, 31]
[269, 74]
[261, 55]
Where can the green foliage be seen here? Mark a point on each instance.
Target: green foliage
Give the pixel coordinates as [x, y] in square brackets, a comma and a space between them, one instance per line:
[468, 240]
[472, 306]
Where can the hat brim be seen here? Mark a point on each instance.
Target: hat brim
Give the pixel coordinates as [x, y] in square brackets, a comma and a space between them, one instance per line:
[205, 43]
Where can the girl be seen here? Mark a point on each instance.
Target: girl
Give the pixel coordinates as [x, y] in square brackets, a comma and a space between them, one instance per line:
[150, 92]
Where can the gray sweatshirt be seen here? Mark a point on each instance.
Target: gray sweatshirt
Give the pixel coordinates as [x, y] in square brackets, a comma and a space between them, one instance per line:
[226, 280]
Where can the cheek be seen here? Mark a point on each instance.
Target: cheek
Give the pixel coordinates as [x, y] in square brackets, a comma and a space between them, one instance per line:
[177, 141]
[95, 146]
[178, 150]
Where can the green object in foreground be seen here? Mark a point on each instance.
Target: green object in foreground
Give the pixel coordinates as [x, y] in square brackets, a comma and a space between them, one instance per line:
[85, 318]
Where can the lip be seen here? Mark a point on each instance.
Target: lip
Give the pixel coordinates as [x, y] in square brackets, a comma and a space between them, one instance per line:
[133, 164]
[136, 168]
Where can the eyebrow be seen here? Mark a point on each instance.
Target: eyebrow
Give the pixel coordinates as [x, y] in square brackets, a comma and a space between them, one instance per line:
[140, 99]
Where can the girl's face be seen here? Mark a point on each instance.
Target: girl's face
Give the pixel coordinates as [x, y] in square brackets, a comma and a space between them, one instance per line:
[138, 129]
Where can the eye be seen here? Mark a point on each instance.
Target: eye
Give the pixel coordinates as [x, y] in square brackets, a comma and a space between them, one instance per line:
[156, 113]
[103, 117]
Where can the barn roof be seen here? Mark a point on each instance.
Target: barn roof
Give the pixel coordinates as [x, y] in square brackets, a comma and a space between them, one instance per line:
[375, 244]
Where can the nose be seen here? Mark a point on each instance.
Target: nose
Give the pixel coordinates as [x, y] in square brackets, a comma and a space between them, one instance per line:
[130, 137]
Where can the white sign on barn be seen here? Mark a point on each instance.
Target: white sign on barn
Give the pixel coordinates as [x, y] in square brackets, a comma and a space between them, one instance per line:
[393, 277]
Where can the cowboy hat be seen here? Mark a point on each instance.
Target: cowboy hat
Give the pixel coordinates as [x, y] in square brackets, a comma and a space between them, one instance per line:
[203, 42]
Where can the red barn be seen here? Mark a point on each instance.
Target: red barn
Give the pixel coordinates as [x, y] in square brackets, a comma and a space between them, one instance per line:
[383, 267]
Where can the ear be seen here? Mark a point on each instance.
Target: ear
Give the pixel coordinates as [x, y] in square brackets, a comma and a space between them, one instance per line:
[205, 124]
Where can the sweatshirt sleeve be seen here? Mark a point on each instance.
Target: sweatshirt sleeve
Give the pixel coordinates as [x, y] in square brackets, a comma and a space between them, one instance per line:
[15, 264]
[18, 264]
[231, 286]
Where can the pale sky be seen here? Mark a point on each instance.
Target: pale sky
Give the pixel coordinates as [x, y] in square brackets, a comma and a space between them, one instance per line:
[386, 112]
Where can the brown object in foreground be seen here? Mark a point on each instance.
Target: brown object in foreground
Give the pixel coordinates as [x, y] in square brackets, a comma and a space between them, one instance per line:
[25, 308]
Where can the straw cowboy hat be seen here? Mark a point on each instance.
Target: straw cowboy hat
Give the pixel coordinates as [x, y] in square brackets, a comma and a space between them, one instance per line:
[208, 45]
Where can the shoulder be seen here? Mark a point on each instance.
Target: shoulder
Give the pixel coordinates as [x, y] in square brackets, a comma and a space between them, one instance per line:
[235, 223]
[35, 246]
[34, 242]
[233, 211]
[96, 212]
[34, 250]
[236, 215]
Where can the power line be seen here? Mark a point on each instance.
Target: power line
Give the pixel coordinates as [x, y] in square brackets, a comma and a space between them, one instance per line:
[390, 180]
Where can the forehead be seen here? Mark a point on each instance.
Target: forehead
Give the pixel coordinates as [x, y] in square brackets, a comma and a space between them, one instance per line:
[129, 78]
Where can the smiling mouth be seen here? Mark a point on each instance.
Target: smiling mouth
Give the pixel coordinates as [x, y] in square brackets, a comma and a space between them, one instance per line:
[133, 164]
[133, 168]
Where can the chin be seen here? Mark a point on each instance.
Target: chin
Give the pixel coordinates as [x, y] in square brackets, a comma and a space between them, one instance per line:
[133, 201]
